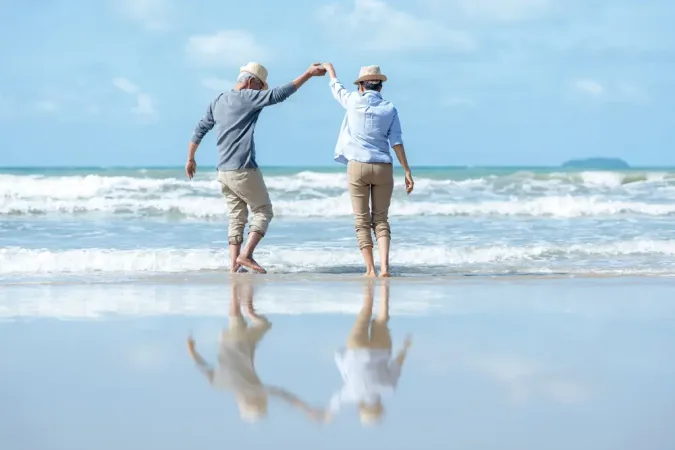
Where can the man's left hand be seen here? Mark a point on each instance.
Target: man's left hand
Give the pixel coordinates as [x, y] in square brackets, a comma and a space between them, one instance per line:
[317, 70]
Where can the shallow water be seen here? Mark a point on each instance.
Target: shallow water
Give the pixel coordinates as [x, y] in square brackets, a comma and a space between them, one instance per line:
[116, 222]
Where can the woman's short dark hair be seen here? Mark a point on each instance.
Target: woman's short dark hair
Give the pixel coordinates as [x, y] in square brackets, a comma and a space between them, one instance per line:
[371, 85]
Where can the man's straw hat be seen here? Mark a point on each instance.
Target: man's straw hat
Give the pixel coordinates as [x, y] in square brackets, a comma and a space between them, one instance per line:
[257, 70]
[370, 73]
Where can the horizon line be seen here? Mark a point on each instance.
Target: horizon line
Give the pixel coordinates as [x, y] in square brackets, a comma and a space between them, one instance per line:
[464, 166]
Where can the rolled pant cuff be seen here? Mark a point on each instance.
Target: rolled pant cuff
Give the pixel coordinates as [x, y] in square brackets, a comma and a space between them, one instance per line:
[382, 233]
[235, 240]
[255, 229]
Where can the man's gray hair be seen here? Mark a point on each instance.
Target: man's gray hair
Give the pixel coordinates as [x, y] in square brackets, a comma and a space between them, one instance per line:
[245, 76]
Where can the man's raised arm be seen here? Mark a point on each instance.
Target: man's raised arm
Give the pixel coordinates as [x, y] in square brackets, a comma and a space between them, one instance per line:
[261, 99]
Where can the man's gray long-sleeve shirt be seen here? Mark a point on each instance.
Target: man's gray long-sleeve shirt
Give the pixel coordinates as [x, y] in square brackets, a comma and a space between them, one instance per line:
[234, 115]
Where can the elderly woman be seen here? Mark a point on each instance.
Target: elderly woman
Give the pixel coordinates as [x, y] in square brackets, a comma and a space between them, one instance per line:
[370, 127]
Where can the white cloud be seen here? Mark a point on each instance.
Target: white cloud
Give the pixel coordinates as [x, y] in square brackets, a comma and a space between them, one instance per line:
[125, 85]
[621, 92]
[144, 105]
[151, 14]
[217, 84]
[375, 25]
[148, 356]
[588, 86]
[631, 93]
[46, 106]
[458, 102]
[503, 10]
[225, 48]
[524, 380]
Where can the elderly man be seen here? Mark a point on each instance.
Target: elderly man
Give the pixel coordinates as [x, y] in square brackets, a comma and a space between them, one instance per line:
[234, 114]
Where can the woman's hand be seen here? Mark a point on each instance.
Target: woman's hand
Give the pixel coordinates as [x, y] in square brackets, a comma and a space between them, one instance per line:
[409, 182]
[330, 69]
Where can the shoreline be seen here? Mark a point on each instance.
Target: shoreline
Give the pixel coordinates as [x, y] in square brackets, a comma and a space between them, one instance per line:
[610, 297]
[220, 277]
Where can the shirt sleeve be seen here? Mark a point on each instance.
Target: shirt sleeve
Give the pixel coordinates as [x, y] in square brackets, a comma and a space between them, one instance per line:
[340, 94]
[394, 372]
[335, 402]
[261, 99]
[395, 135]
[207, 371]
[204, 125]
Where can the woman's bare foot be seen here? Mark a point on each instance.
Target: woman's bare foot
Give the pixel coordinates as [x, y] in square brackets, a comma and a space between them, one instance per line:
[385, 274]
[370, 273]
[250, 264]
[235, 268]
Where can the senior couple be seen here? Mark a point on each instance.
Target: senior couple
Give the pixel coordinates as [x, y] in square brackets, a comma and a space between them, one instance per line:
[371, 127]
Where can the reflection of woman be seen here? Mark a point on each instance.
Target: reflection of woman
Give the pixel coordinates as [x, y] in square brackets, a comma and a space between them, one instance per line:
[236, 368]
[366, 365]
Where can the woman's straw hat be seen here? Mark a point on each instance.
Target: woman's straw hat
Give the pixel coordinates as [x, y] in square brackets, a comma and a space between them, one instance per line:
[370, 73]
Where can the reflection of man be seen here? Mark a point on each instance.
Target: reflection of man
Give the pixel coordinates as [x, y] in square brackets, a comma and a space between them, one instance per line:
[236, 369]
[366, 365]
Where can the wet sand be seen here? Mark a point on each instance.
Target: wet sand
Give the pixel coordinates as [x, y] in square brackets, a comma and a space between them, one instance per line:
[525, 363]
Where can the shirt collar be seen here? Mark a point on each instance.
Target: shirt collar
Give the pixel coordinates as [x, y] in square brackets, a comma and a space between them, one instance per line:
[375, 93]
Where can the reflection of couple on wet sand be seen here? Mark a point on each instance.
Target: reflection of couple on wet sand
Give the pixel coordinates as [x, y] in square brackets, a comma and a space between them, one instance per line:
[368, 371]
[236, 368]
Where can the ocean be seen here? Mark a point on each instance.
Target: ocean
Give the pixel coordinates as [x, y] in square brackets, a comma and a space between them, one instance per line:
[111, 224]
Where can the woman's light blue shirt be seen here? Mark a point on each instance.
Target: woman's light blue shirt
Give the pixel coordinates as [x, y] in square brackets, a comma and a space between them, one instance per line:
[370, 127]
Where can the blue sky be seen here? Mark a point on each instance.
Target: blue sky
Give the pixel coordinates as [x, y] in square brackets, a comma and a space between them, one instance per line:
[498, 82]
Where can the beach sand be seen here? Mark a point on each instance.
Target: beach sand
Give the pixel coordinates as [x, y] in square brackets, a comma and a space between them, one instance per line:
[508, 363]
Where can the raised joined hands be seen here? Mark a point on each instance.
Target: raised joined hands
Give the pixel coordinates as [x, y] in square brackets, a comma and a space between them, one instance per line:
[316, 70]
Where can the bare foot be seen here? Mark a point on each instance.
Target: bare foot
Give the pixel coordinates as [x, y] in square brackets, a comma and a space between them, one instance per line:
[250, 264]
[385, 274]
[370, 274]
[235, 268]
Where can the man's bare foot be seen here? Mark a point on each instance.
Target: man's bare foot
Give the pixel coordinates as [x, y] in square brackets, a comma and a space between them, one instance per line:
[250, 264]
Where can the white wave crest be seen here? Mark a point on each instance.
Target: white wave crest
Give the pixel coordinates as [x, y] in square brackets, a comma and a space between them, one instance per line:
[340, 206]
[316, 194]
[20, 261]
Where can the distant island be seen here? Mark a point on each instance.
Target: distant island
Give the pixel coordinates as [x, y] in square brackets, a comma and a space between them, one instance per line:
[596, 163]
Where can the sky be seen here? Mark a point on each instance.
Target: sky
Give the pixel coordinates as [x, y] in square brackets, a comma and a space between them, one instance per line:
[476, 82]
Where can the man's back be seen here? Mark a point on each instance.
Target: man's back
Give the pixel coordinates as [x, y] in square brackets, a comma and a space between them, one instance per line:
[234, 115]
[235, 119]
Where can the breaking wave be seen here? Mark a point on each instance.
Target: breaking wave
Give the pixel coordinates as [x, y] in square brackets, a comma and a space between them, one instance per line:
[422, 259]
[318, 194]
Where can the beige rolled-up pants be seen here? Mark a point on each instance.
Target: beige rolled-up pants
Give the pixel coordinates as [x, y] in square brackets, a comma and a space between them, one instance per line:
[370, 188]
[245, 188]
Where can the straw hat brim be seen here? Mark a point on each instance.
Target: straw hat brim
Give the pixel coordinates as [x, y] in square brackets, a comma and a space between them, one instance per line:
[373, 77]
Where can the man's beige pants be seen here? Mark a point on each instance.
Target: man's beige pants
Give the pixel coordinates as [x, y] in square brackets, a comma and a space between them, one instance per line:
[370, 182]
[242, 188]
